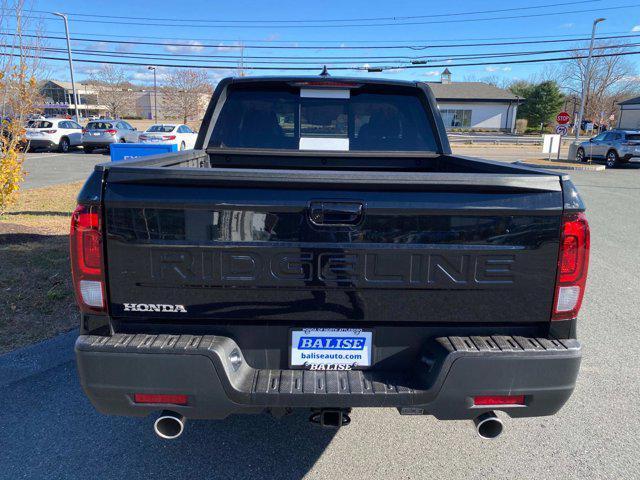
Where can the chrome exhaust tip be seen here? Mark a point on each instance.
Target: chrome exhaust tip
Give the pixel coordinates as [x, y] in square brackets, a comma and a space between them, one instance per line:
[488, 425]
[169, 425]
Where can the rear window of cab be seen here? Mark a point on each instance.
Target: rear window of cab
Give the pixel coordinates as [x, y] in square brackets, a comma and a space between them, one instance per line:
[283, 118]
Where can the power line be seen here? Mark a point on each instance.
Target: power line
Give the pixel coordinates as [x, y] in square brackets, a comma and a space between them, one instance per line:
[433, 40]
[152, 57]
[324, 47]
[390, 67]
[352, 25]
[370, 19]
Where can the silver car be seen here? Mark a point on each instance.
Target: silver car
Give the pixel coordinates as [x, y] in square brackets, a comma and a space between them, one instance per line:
[103, 133]
[615, 147]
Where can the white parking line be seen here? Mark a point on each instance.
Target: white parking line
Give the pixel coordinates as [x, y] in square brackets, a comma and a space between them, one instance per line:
[46, 156]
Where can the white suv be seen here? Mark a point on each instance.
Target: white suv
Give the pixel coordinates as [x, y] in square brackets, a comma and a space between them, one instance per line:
[50, 133]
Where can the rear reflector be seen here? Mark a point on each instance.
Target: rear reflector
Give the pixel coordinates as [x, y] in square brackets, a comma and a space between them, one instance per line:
[158, 398]
[87, 266]
[573, 264]
[499, 400]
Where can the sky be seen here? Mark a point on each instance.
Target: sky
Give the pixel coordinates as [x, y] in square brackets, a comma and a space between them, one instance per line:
[424, 25]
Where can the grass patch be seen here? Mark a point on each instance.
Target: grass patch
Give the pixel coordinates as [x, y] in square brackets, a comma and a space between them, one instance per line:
[36, 294]
[48, 209]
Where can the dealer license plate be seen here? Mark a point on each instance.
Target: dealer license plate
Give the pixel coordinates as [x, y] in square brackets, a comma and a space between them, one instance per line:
[331, 348]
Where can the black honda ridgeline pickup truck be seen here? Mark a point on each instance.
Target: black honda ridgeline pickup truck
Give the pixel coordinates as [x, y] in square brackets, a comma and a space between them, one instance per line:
[321, 248]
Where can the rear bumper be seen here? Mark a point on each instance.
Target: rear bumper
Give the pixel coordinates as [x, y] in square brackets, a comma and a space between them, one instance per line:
[113, 368]
[41, 143]
[98, 143]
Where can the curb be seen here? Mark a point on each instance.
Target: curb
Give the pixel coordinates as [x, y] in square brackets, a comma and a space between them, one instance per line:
[34, 359]
[586, 168]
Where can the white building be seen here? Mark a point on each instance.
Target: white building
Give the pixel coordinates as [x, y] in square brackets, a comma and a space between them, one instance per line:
[58, 100]
[475, 105]
[629, 118]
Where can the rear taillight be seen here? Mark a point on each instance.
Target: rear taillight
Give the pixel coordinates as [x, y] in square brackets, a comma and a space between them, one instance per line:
[49, 131]
[87, 266]
[111, 132]
[573, 263]
[84, 130]
[168, 137]
[142, 137]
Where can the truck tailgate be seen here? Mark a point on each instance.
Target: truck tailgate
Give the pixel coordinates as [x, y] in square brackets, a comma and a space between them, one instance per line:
[347, 248]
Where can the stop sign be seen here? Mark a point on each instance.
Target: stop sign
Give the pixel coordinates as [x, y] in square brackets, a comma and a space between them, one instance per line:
[562, 118]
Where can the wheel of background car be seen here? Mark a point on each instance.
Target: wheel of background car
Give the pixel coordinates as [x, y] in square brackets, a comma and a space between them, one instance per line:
[580, 156]
[88, 149]
[64, 145]
[122, 140]
[612, 159]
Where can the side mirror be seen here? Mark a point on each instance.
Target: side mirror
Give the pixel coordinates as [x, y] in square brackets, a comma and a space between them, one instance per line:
[135, 129]
[590, 140]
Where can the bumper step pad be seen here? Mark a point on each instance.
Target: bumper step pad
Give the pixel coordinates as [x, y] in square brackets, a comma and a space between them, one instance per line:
[295, 387]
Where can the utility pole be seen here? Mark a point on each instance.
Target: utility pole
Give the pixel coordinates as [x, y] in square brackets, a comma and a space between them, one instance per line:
[587, 76]
[73, 83]
[241, 59]
[155, 95]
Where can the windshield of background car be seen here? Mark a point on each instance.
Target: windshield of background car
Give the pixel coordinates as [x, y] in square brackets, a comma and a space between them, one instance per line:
[281, 118]
[99, 126]
[41, 124]
[161, 128]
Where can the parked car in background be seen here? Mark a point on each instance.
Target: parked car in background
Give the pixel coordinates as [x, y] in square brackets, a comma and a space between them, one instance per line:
[53, 133]
[614, 147]
[103, 133]
[180, 135]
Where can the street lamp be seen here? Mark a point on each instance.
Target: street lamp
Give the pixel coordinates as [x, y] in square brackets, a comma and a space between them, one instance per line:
[587, 76]
[155, 95]
[73, 83]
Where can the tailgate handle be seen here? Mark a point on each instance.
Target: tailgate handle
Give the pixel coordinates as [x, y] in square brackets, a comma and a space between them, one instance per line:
[335, 213]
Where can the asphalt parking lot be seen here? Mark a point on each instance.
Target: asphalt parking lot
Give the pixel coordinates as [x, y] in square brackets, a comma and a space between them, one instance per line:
[51, 168]
[48, 429]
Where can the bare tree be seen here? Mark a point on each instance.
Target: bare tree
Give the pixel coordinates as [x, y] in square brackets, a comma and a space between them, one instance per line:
[19, 66]
[114, 90]
[609, 80]
[186, 93]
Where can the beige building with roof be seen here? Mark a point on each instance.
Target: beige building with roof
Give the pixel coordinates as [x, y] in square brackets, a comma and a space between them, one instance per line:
[58, 101]
[475, 105]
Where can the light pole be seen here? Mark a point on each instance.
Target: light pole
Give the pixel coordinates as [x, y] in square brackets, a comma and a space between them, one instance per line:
[587, 76]
[73, 83]
[155, 95]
